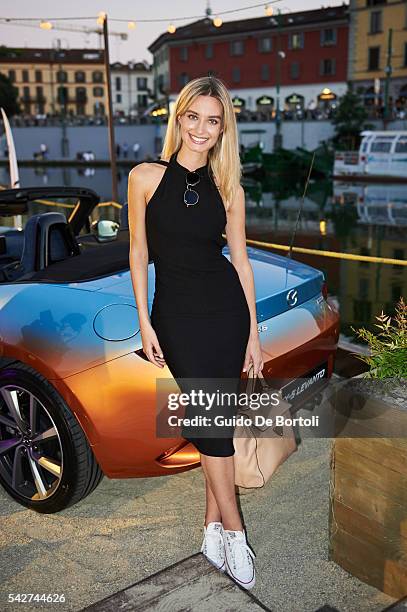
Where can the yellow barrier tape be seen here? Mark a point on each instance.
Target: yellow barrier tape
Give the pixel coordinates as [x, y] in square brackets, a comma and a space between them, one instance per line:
[114, 204]
[332, 254]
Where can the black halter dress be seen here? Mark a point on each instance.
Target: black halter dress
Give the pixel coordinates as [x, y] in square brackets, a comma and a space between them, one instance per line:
[199, 312]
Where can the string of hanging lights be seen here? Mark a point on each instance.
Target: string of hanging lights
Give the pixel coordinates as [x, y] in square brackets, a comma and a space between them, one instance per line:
[47, 24]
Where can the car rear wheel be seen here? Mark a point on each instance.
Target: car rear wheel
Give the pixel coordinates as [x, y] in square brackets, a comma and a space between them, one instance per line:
[46, 463]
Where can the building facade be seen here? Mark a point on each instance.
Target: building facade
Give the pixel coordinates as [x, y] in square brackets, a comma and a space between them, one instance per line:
[302, 54]
[132, 87]
[55, 81]
[369, 57]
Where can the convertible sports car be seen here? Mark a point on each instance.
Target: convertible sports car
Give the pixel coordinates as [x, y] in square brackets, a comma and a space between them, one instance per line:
[77, 393]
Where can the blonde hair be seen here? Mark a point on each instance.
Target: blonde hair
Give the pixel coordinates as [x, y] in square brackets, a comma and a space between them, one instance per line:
[223, 158]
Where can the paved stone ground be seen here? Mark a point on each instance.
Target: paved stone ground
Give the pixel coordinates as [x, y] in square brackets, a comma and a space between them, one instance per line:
[127, 530]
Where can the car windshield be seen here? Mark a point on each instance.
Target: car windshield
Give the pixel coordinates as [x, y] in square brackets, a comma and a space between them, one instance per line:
[64, 205]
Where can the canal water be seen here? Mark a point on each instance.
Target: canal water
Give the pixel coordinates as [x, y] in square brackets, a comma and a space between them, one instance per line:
[361, 219]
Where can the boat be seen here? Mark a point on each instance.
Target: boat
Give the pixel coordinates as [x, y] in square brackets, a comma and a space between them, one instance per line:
[382, 156]
[375, 204]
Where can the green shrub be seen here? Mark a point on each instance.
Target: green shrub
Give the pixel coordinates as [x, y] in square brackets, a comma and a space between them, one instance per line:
[388, 346]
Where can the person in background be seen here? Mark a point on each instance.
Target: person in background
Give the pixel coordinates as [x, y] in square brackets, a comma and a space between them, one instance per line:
[118, 150]
[125, 148]
[136, 149]
[44, 150]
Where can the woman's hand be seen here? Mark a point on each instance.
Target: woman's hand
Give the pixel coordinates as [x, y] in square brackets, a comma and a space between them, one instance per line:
[253, 355]
[151, 346]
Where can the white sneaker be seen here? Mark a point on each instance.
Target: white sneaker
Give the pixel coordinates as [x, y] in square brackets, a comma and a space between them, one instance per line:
[212, 545]
[239, 563]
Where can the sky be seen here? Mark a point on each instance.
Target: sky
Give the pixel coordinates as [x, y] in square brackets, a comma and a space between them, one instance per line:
[135, 48]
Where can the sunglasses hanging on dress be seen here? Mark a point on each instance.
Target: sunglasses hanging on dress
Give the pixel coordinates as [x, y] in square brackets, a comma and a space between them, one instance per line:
[191, 197]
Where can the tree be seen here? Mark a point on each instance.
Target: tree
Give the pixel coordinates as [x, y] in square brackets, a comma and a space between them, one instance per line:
[8, 96]
[349, 120]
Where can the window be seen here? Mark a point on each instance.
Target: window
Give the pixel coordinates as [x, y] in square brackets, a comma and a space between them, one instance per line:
[118, 98]
[362, 311]
[99, 108]
[141, 82]
[25, 76]
[364, 288]
[405, 54]
[80, 76]
[62, 76]
[183, 54]
[80, 95]
[398, 254]
[375, 2]
[38, 76]
[12, 75]
[118, 83]
[236, 47]
[183, 79]
[209, 51]
[264, 45]
[296, 41]
[142, 100]
[328, 37]
[26, 93]
[375, 22]
[39, 92]
[381, 146]
[373, 58]
[62, 95]
[98, 92]
[294, 70]
[265, 72]
[327, 67]
[97, 76]
[401, 145]
[236, 74]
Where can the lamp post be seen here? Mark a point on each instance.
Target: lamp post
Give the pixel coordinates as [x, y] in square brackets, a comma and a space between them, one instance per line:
[62, 98]
[112, 147]
[388, 71]
[278, 140]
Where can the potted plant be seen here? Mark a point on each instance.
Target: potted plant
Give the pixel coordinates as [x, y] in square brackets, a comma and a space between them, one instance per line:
[368, 491]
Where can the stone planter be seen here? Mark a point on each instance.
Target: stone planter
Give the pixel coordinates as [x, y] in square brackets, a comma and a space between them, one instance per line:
[368, 486]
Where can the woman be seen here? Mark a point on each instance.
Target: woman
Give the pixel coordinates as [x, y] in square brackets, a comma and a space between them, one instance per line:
[203, 318]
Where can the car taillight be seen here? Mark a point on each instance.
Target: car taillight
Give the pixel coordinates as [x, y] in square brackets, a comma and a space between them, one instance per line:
[324, 290]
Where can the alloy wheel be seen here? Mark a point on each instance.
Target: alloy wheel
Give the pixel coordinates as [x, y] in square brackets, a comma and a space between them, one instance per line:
[31, 456]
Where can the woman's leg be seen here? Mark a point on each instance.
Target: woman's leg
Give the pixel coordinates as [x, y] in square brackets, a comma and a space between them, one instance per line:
[212, 512]
[220, 475]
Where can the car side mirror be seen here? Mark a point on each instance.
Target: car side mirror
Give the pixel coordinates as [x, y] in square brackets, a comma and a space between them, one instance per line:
[106, 230]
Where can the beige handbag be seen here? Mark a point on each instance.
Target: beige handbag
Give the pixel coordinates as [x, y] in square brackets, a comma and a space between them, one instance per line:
[260, 450]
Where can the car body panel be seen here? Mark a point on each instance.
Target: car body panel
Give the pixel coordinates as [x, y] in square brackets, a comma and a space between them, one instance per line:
[50, 327]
